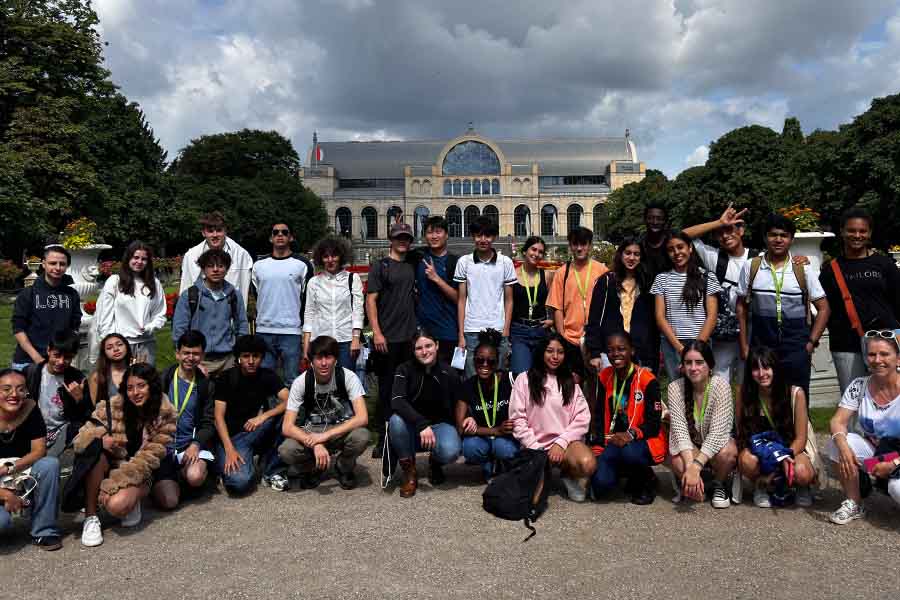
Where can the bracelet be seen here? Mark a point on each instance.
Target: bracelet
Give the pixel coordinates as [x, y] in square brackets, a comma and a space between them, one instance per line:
[837, 433]
[698, 463]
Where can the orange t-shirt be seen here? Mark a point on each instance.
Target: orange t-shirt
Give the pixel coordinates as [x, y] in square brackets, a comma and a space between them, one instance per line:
[576, 309]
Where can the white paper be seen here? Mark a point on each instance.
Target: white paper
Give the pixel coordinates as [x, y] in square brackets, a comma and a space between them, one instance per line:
[459, 358]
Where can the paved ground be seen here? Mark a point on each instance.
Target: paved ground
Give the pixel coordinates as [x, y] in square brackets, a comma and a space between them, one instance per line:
[329, 543]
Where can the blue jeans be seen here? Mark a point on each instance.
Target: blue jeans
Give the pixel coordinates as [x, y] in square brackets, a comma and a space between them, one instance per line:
[627, 460]
[405, 440]
[671, 358]
[344, 358]
[472, 342]
[264, 441]
[289, 348]
[524, 340]
[485, 451]
[44, 499]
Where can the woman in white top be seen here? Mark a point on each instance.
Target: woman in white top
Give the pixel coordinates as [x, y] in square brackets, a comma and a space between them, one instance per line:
[871, 451]
[133, 303]
[334, 302]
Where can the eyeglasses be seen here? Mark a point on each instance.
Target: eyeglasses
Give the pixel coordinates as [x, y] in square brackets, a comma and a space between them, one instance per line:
[281, 232]
[20, 390]
[484, 360]
[888, 334]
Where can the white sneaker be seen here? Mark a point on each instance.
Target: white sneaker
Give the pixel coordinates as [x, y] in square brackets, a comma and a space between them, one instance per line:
[279, 483]
[91, 534]
[848, 511]
[720, 497]
[804, 498]
[133, 519]
[574, 490]
[761, 498]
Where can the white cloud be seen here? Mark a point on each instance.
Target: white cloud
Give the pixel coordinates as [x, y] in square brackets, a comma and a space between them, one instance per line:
[698, 157]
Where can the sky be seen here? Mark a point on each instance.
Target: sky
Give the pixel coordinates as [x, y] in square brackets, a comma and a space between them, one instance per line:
[678, 74]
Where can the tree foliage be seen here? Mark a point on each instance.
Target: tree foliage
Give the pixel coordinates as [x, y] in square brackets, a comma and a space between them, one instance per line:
[625, 206]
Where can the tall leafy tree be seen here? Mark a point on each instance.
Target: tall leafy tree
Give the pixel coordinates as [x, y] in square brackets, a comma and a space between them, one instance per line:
[625, 205]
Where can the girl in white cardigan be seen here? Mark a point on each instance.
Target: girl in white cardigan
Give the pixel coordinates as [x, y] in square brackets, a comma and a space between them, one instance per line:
[133, 303]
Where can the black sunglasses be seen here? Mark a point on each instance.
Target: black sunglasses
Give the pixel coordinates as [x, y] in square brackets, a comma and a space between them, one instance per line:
[484, 360]
[281, 232]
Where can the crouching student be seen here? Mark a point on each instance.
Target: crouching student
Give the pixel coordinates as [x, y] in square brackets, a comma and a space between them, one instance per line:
[133, 428]
[246, 425]
[423, 419]
[326, 416]
[627, 419]
[549, 413]
[771, 407]
[482, 409]
[702, 415]
[23, 445]
[187, 461]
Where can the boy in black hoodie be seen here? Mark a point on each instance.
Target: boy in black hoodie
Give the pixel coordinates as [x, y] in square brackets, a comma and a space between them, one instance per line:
[49, 306]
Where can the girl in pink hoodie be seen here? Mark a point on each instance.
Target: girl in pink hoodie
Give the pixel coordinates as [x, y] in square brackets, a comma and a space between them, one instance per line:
[550, 413]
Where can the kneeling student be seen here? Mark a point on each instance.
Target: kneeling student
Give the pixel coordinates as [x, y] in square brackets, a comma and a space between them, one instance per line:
[326, 414]
[187, 457]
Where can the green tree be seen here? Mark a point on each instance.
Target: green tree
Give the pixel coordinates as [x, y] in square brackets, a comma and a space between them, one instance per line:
[625, 206]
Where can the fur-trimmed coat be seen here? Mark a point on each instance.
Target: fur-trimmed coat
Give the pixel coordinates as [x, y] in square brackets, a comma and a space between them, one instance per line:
[135, 470]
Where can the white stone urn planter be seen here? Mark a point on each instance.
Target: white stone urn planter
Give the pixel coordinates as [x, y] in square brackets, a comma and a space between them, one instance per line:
[84, 270]
[809, 243]
[896, 257]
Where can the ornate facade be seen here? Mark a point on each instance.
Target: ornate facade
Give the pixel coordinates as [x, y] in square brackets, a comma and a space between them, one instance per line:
[543, 187]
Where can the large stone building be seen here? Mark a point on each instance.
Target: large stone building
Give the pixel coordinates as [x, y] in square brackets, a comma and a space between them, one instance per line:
[543, 187]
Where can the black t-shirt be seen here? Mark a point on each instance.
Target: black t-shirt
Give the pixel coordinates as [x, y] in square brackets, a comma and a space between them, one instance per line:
[874, 284]
[395, 283]
[469, 394]
[17, 443]
[656, 260]
[245, 396]
[520, 299]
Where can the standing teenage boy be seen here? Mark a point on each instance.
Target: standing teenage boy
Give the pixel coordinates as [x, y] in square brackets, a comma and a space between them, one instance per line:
[215, 237]
[280, 280]
[653, 242]
[775, 294]
[246, 425]
[50, 305]
[213, 307]
[391, 307]
[438, 294]
[570, 296]
[485, 280]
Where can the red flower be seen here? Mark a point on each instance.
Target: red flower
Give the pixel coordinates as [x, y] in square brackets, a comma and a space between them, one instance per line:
[90, 307]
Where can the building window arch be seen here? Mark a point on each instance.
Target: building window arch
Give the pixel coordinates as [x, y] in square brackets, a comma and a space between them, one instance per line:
[394, 214]
[426, 187]
[549, 217]
[600, 217]
[573, 216]
[495, 187]
[466, 187]
[486, 187]
[369, 223]
[454, 221]
[420, 215]
[343, 222]
[415, 187]
[471, 213]
[522, 221]
[490, 211]
[448, 187]
[516, 186]
[457, 187]
[471, 158]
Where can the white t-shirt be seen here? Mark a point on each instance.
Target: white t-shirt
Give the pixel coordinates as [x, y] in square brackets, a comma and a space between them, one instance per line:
[874, 422]
[330, 404]
[685, 321]
[709, 256]
[485, 285]
[50, 402]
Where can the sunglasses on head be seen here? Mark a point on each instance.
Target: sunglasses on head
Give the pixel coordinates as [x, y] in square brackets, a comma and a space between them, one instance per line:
[485, 360]
[281, 232]
[888, 334]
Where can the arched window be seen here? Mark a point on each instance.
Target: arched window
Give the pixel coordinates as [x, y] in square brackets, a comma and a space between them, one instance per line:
[522, 221]
[454, 221]
[516, 186]
[470, 215]
[495, 187]
[490, 211]
[369, 223]
[415, 188]
[486, 187]
[573, 216]
[419, 215]
[548, 220]
[457, 187]
[476, 187]
[467, 187]
[600, 220]
[471, 158]
[343, 221]
[448, 187]
[394, 214]
[426, 187]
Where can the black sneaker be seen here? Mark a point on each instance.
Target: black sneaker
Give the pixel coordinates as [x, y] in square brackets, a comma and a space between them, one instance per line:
[347, 480]
[436, 473]
[311, 480]
[378, 448]
[48, 542]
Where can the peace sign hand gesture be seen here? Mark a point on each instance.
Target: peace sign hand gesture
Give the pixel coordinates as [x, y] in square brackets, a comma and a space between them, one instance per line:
[732, 217]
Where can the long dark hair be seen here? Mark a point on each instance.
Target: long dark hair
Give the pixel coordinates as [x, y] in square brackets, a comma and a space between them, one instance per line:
[126, 277]
[640, 272]
[537, 374]
[706, 352]
[104, 366]
[752, 418]
[695, 283]
[136, 417]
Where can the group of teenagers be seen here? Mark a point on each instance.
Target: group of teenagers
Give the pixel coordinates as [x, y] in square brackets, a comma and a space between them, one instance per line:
[473, 356]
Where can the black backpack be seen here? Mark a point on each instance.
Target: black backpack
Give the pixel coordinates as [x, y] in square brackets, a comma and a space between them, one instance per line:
[520, 491]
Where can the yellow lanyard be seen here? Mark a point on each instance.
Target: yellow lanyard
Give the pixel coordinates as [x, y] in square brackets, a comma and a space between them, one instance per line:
[698, 419]
[766, 411]
[529, 288]
[582, 288]
[619, 397]
[490, 421]
[187, 398]
[779, 283]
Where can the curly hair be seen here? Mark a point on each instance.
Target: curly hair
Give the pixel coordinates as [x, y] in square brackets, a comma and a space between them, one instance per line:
[331, 246]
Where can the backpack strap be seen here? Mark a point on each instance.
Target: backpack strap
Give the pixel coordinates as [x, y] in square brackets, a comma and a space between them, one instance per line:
[340, 383]
[350, 287]
[232, 302]
[848, 299]
[800, 276]
[755, 264]
[193, 301]
[565, 279]
[721, 265]
[309, 387]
